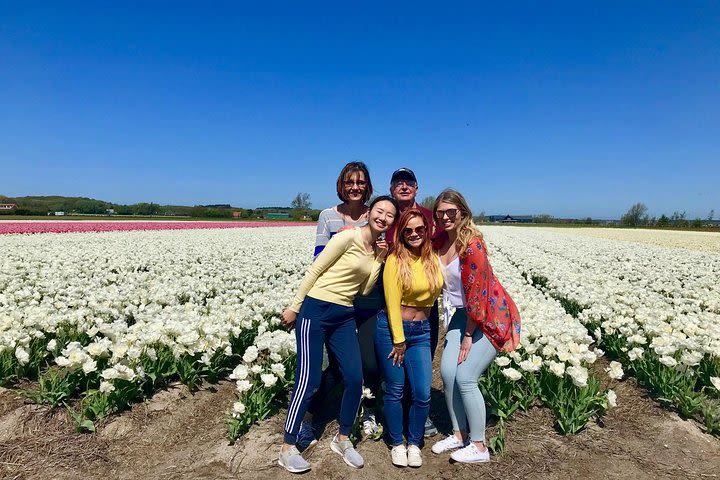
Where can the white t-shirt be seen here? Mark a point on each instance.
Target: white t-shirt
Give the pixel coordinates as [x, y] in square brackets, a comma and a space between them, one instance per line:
[453, 293]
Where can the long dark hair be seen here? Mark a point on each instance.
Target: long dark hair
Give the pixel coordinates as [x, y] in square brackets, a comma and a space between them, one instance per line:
[385, 198]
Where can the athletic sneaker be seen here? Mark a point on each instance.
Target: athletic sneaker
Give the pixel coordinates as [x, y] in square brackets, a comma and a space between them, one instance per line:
[293, 461]
[449, 443]
[399, 457]
[348, 452]
[413, 456]
[369, 424]
[470, 454]
[430, 428]
[306, 436]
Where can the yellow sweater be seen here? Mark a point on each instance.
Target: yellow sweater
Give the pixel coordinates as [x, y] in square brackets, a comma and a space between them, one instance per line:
[340, 271]
[419, 294]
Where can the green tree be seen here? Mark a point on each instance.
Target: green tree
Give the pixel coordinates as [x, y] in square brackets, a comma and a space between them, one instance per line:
[545, 218]
[300, 206]
[301, 201]
[144, 208]
[678, 219]
[198, 212]
[663, 221]
[635, 216]
[428, 202]
[711, 215]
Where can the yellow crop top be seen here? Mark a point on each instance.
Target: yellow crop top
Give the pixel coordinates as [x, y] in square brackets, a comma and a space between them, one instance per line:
[419, 294]
[342, 270]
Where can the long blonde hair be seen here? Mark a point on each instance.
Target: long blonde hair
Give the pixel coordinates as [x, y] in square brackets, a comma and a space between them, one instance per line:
[427, 254]
[466, 229]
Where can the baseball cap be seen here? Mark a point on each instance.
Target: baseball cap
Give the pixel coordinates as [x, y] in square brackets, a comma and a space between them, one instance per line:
[403, 174]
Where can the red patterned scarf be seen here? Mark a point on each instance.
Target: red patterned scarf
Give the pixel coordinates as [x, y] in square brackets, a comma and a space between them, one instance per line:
[488, 304]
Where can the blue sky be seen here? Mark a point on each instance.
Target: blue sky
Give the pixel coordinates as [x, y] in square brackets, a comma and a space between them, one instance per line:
[564, 108]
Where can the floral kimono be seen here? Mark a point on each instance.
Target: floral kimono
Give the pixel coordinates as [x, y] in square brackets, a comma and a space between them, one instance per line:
[487, 302]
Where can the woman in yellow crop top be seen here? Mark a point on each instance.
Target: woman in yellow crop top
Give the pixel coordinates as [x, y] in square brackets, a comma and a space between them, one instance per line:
[412, 281]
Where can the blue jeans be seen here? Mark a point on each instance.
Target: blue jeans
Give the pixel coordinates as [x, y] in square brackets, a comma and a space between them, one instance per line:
[416, 368]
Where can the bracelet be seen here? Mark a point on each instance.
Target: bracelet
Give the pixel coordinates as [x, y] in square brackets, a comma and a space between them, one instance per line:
[468, 334]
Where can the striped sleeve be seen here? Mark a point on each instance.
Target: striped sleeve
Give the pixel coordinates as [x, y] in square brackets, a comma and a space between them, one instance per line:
[322, 234]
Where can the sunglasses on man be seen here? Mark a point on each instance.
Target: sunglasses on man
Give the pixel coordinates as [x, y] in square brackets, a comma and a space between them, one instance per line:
[407, 183]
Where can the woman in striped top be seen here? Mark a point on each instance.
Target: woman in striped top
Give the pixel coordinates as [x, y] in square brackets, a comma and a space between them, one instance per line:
[354, 189]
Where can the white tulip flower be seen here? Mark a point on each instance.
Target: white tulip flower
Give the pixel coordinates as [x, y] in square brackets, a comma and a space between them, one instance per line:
[511, 373]
[612, 398]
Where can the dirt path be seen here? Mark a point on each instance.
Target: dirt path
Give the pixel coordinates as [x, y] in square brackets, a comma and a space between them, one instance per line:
[181, 435]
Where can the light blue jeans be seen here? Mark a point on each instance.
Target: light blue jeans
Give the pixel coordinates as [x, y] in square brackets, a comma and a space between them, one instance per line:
[464, 400]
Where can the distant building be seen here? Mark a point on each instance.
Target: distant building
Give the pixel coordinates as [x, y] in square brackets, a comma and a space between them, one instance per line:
[276, 215]
[510, 218]
[110, 211]
[237, 214]
[8, 206]
[59, 214]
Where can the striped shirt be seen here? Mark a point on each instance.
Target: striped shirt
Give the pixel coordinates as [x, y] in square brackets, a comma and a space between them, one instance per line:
[329, 223]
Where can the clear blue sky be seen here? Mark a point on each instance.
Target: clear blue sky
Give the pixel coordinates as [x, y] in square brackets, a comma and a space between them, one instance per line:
[564, 108]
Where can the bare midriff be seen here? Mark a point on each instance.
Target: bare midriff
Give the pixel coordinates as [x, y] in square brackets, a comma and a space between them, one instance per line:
[414, 313]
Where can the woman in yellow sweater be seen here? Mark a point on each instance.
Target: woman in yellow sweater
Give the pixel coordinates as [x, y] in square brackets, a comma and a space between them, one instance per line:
[323, 309]
[412, 282]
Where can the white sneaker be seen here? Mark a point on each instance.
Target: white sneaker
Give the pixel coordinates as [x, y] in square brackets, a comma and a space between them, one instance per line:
[449, 443]
[414, 459]
[470, 454]
[348, 452]
[293, 461]
[369, 424]
[399, 456]
[430, 428]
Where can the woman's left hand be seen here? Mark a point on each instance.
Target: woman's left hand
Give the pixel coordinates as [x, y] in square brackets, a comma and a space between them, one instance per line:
[465, 347]
[288, 318]
[398, 353]
[382, 247]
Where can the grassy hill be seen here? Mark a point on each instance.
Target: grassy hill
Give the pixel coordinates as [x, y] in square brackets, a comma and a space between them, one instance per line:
[42, 205]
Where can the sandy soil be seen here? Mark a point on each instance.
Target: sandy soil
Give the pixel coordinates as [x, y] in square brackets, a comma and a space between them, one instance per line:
[178, 434]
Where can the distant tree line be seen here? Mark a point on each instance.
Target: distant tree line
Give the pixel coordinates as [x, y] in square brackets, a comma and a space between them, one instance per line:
[43, 205]
[637, 216]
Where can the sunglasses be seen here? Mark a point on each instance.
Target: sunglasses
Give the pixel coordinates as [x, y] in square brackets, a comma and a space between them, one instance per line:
[450, 212]
[359, 183]
[417, 230]
[407, 183]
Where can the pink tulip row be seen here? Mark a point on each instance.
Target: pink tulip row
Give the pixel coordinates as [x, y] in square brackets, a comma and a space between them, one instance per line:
[111, 226]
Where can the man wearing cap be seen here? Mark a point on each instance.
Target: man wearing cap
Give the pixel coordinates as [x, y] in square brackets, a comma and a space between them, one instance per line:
[404, 188]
